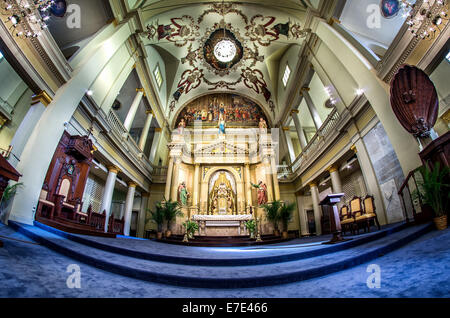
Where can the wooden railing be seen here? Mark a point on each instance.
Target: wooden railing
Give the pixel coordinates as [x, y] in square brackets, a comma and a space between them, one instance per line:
[412, 198]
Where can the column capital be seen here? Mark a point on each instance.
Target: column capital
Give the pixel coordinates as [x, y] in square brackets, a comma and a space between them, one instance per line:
[42, 98]
[303, 90]
[313, 185]
[132, 184]
[197, 164]
[332, 168]
[114, 169]
[286, 128]
[158, 129]
[294, 111]
[149, 111]
[145, 194]
[140, 90]
[354, 149]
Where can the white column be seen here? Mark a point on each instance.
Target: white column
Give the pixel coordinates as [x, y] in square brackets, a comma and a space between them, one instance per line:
[169, 179]
[248, 186]
[300, 132]
[38, 104]
[40, 147]
[142, 214]
[312, 108]
[276, 186]
[133, 109]
[289, 143]
[316, 206]
[195, 196]
[336, 183]
[155, 144]
[129, 207]
[175, 181]
[144, 134]
[108, 194]
[268, 173]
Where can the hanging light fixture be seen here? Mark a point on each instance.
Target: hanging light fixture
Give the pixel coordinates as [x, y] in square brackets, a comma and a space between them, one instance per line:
[225, 49]
[28, 18]
[424, 21]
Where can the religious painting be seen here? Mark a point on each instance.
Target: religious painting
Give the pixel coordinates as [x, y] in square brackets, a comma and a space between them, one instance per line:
[235, 110]
[390, 8]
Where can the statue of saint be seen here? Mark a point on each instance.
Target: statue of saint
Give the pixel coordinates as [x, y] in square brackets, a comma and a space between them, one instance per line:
[183, 194]
[262, 124]
[221, 125]
[181, 126]
[262, 192]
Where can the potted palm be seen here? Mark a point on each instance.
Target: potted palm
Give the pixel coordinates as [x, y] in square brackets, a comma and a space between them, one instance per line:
[157, 217]
[434, 192]
[172, 209]
[191, 227]
[251, 227]
[272, 215]
[285, 215]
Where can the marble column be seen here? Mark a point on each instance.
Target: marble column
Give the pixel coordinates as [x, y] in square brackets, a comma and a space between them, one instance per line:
[38, 104]
[175, 181]
[316, 207]
[129, 207]
[248, 185]
[312, 108]
[133, 109]
[155, 144]
[289, 143]
[195, 195]
[276, 186]
[336, 183]
[300, 132]
[108, 194]
[144, 133]
[268, 173]
[169, 179]
[142, 214]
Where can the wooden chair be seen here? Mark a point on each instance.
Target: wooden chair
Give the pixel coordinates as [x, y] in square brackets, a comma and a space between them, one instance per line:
[369, 213]
[62, 202]
[356, 210]
[43, 202]
[347, 221]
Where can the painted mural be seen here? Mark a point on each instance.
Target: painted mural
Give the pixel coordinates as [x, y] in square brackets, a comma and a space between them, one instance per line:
[237, 111]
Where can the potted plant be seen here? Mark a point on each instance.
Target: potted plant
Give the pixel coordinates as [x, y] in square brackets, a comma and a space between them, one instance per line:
[272, 215]
[434, 192]
[172, 209]
[285, 215]
[191, 227]
[157, 217]
[9, 192]
[251, 227]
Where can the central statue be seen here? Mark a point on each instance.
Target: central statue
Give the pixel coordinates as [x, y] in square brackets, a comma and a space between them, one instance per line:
[222, 198]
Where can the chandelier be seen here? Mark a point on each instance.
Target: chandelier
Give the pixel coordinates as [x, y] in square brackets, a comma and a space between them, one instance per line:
[225, 49]
[423, 21]
[27, 18]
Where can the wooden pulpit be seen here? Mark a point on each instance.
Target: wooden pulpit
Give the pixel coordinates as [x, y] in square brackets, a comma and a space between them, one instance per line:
[7, 172]
[329, 208]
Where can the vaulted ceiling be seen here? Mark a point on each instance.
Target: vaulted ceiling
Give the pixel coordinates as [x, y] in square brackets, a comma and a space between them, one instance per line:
[263, 34]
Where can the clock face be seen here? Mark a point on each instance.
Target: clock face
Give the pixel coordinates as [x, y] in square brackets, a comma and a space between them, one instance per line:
[225, 51]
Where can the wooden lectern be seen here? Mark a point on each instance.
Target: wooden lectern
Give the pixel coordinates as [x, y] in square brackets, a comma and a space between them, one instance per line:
[329, 207]
[7, 172]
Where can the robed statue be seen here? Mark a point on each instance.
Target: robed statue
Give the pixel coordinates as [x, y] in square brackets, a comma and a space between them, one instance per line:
[262, 192]
[221, 125]
[183, 194]
[181, 126]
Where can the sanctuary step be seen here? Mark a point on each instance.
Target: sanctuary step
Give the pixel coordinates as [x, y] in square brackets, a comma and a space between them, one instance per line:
[222, 241]
[236, 267]
[73, 227]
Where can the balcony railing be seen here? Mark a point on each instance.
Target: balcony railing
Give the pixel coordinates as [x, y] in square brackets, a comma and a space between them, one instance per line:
[122, 134]
[315, 144]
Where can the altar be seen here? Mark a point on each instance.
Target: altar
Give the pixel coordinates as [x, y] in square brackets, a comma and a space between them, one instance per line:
[222, 225]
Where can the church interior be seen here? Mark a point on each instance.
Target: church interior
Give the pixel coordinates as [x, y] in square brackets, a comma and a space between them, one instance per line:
[251, 148]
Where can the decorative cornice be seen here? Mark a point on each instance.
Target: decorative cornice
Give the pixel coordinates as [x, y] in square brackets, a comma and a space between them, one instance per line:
[42, 98]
